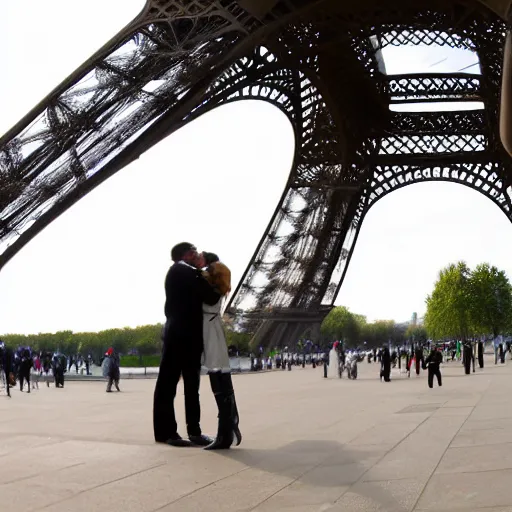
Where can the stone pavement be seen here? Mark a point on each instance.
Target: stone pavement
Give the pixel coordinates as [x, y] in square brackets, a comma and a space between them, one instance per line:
[310, 444]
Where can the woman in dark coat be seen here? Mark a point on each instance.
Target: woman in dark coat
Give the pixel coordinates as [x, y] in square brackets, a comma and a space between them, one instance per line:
[385, 369]
[418, 356]
[25, 366]
[59, 367]
[467, 356]
[480, 354]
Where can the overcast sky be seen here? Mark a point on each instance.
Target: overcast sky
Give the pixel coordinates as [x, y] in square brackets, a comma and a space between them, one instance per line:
[102, 263]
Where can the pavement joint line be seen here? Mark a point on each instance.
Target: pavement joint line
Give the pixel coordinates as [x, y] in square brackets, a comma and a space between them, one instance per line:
[16, 480]
[396, 445]
[67, 439]
[388, 480]
[35, 475]
[491, 419]
[103, 484]
[457, 407]
[478, 446]
[465, 509]
[446, 449]
[188, 494]
[32, 447]
[483, 430]
[478, 472]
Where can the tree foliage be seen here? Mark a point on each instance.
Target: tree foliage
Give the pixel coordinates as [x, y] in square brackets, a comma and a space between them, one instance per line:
[491, 299]
[341, 324]
[465, 303]
[238, 339]
[354, 330]
[448, 308]
[145, 340]
[416, 333]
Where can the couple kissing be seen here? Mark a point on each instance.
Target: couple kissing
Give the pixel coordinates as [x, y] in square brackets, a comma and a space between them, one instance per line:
[193, 336]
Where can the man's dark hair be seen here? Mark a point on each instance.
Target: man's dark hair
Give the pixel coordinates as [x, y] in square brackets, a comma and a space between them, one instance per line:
[210, 258]
[178, 251]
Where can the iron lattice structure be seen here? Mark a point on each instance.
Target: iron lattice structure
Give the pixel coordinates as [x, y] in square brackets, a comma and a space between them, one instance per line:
[319, 62]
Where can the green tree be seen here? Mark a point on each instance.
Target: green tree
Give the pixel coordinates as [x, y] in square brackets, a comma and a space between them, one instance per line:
[449, 308]
[491, 299]
[341, 324]
[397, 336]
[67, 342]
[385, 331]
[90, 343]
[15, 340]
[416, 333]
[240, 340]
[368, 334]
[145, 347]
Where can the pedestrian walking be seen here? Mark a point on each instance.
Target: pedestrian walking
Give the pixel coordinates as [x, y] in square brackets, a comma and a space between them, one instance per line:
[433, 363]
[111, 369]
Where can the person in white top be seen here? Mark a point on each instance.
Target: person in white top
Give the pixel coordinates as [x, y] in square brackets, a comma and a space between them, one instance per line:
[216, 358]
[334, 363]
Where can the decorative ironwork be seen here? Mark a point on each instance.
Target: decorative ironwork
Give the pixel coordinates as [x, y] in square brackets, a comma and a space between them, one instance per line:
[483, 177]
[433, 88]
[320, 62]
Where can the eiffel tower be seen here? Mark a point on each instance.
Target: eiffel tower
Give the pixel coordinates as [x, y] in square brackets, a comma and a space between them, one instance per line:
[318, 61]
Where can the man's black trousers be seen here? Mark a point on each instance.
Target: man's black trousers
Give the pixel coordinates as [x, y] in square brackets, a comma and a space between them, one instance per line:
[24, 374]
[58, 373]
[480, 354]
[434, 370]
[173, 366]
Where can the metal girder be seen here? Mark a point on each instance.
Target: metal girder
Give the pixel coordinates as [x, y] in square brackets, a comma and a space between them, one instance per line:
[465, 122]
[317, 61]
[483, 177]
[433, 87]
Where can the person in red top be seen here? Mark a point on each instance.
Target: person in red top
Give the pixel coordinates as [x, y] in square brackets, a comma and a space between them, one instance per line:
[111, 369]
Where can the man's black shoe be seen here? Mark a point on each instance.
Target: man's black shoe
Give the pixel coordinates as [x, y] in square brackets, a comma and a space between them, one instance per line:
[177, 440]
[201, 440]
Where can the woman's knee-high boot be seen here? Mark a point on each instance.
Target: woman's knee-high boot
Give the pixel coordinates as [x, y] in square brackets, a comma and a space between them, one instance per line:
[227, 386]
[224, 438]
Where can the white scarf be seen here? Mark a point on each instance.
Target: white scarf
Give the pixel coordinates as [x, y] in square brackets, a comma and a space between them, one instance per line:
[181, 262]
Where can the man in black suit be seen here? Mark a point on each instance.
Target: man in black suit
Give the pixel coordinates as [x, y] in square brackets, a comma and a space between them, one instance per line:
[186, 290]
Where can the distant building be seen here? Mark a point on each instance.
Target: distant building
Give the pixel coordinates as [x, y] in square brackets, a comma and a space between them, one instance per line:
[414, 320]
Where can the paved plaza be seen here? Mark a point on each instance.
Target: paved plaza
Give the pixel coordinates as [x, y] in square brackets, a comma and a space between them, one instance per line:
[310, 444]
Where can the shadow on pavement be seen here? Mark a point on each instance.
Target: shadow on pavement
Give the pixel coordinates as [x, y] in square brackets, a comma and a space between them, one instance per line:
[322, 464]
